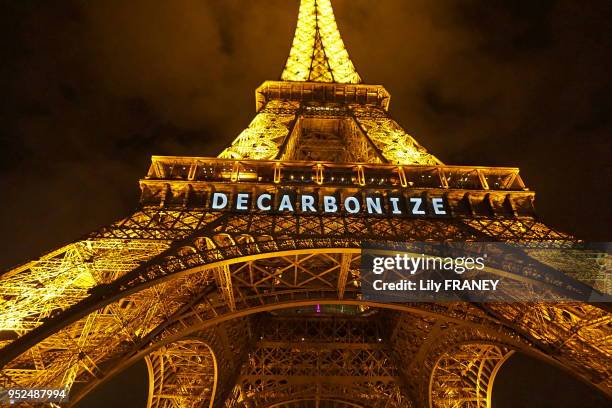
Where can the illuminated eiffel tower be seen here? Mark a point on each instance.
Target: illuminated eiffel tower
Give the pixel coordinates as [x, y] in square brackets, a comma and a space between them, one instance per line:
[261, 307]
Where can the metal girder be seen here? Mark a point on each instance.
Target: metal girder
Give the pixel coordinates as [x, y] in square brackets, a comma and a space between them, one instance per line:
[345, 268]
[200, 370]
[319, 358]
[223, 277]
[257, 280]
[125, 259]
[305, 233]
[368, 132]
[264, 136]
[181, 374]
[464, 375]
[390, 138]
[447, 364]
[317, 53]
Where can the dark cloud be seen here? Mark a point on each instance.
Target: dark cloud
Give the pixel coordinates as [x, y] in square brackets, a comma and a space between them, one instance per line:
[505, 83]
[92, 89]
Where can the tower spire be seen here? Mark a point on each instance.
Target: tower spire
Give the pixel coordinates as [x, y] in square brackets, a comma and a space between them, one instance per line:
[317, 53]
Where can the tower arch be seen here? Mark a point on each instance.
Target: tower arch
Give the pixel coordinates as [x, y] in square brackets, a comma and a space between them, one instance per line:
[183, 373]
[465, 374]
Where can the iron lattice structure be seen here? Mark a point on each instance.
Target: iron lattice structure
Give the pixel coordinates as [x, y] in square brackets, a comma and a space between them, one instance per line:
[263, 309]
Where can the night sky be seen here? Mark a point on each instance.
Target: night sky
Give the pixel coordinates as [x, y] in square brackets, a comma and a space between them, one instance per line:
[91, 89]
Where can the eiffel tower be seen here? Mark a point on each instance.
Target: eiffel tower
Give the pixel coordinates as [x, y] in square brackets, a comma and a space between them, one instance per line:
[262, 308]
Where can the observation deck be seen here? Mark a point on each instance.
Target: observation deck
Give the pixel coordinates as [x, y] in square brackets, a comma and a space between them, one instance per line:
[468, 190]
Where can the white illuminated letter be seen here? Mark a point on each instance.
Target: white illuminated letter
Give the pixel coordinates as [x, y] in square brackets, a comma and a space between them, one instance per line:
[241, 201]
[394, 202]
[351, 205]
[260, 204]
[329, 204]
[285, 204]
[438, 206]
[374, 205]
[219, 201]
[308, 203]
[417, 201]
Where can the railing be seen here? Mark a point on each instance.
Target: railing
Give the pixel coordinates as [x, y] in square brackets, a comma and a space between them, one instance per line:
[362, 94]
[303, 173]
